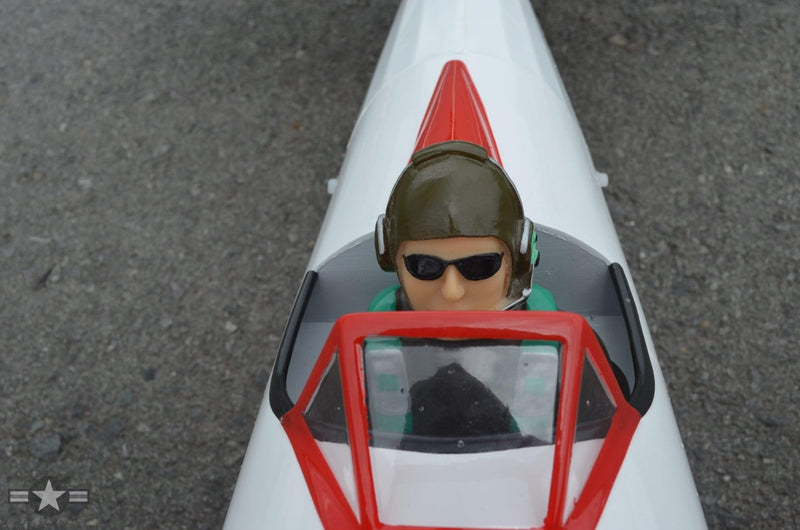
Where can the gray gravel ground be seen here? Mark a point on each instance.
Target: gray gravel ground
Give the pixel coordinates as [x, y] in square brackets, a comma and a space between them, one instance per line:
[163, 170]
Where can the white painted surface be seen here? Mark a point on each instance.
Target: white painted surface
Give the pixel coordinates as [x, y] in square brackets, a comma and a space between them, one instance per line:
[544, 152]
[654, 488]
[538, 138]
[340, 459]
[504, 489]
[271, 491]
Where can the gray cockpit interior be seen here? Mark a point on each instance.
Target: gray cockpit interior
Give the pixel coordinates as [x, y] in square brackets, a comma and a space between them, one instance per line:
[578, 278]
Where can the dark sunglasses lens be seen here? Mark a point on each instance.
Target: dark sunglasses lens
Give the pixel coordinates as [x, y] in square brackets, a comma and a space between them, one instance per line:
[424, 267]
[480, 267]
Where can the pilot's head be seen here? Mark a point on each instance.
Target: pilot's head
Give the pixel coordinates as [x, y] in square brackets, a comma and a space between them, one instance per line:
[455, 232]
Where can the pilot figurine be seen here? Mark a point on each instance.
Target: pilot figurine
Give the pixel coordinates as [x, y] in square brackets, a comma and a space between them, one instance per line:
[455, 233]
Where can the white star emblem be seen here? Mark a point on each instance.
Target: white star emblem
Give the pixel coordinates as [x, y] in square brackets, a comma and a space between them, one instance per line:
[48, 497]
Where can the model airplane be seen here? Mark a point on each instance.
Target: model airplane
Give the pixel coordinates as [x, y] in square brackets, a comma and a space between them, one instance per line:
[476, 419]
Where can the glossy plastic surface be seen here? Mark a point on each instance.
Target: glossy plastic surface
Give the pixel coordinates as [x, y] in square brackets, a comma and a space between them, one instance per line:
[388, 468]
[456, 112]
[532, 123]
[269, 471]
[544, 152]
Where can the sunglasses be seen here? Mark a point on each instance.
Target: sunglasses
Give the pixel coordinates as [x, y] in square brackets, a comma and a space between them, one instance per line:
[476, 267]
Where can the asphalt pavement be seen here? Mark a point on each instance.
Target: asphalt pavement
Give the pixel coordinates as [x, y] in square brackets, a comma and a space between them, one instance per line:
[163, 171]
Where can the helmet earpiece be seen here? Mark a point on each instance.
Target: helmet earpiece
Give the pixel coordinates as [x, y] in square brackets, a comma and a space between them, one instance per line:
[534, 249]
[382, 251]
[528, 251]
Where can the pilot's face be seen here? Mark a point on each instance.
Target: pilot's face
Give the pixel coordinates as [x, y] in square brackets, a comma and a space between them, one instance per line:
[430, 284]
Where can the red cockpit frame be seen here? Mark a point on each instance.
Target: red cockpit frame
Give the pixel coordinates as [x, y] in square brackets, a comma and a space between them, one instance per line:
[578, 342]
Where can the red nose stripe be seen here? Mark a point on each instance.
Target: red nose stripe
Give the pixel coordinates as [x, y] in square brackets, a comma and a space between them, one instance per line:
[456, 112]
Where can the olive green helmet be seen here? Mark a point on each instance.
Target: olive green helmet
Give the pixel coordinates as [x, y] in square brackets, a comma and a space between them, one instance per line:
[453, 189]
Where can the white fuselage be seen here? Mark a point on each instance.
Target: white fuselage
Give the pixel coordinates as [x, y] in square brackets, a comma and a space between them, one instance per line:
[545, 154]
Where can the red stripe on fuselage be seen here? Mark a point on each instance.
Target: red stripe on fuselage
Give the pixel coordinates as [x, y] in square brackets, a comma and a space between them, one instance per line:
[456, 112]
